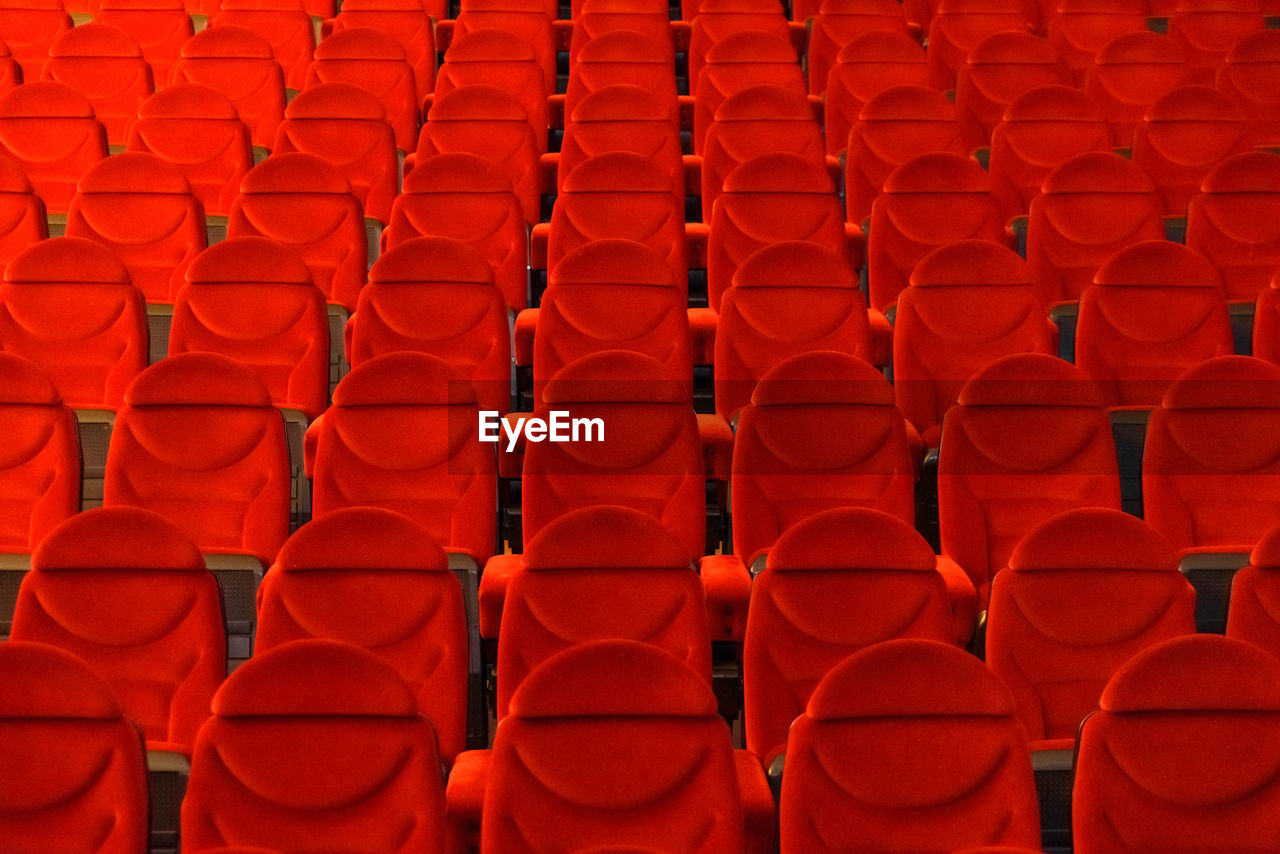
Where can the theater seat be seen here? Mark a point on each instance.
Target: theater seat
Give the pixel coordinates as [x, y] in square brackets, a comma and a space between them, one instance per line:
[104, 64]
[74, 776]
[266, 770]
[837, 582]
[1129, 74]
[49, 129]
[375, 61]
[622, 117]
[284, 24]
[864, 68]
[1230, 222]
[29, 27]
[409, 22]
[739, 61]
[1208, 29]
[1178, 757]
[909, 745]
[240, 64]
[958, 26]
[622, 57]
[998, 70]
[1249, 75]
[504, 60]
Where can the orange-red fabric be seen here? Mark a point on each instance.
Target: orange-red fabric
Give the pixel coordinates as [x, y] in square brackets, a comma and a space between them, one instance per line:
[239, 63]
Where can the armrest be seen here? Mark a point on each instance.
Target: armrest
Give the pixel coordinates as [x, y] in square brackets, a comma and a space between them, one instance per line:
[702, 332]
[693, 176]
[728, 587]
[835, 169]
[686, 109]
[526, 324]
[549, 170]
[855, 244]
[696, 234]
[881, 338]
[444, 34]
[964, 597]
[555, 110]
[538, 238]
[759, 814]
[309, 440]
[464, 800]
[497, 574]
[717, 444]
[563, 32]
[799, 32]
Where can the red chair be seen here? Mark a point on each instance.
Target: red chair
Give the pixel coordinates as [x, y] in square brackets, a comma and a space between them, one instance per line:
[958, 26]
[240, 64]
[740, 61]
[1208, 29]
[1079, 29]
[1230, 222]
[839, 22]
[375, 61]
[160, 28]
[28, 28]
[494, 57]
[284, 24]
[105, 65]
[864, 68]
[1129, 74]
[1249, 75]
[1000, 69]
[49, 129]
[409, 22]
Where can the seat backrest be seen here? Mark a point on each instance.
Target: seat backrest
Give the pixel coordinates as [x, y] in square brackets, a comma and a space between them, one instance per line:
[716, 20]
[275, 723]
[1178, 756]
[959, 26]
[1089, 208]
[409, 22]
[74, 775]
[496, 57]
[284, 24]
[1248, 73]
[1208, 29]
[305, 203]
[142, 209]
[968, 304]
[69, 306]
[598, 573]
[401, 435]
[1210, 455]
[929, 201]
[22, 216]
[40, 468]
[787, 298]
[623, 58]
[50, 130]
[240, 64]
[1081, 28]
[999, 69]
[253, 299]
[104, 64]
[822, 431]
[375, 61]
[1232, 220]
[1155, 309]
[160, 28]
[909, 745]
[838, 22]
[591, 714]
[30, 27]
[128, 593]
[864, 68]
[739, 61]
[199, 442]
[1029, 439]
[1083, 593]
[1129, 74]
[372, 578]
[836, 583]
[622, 117]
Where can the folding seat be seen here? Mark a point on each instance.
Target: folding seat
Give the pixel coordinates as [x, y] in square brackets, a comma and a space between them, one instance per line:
[1156, 309]
[159, 27]
[68, 305]
[409, 22]
[600, 573]
[465, 197]
[75, 774]
[621, 118]
[284, 24]
[28, 28]
[755, 121]
[1089, 208]
[142, 209]
[503, 60]
[593, 19]
[372, 578]
[715, 20]
[968, 304]
[347, 126]
[105, 65]
[864, 68]
[839, 22]
[958, 26]
[240, 64]
[598, 708]
[22, 217]
[1249, 75]
[1180, 758]
[1208, 29]
[1001, 68]
[305, 203]
[1232, 220]
[1079, 29]
[128, 593]
[253, 299]
[375, 61]
[1129, 74]
[526, 23]
[1185, 134]
[787, 298]
[836, 583]
[909, 745]
[621, 57]
[50, 130]
[739, 61]
[1042, 129]
[265, 771]
[436, 295]
[769, 199]
[1046, 638]
[485, 121]
[929, 201]
[894, 126]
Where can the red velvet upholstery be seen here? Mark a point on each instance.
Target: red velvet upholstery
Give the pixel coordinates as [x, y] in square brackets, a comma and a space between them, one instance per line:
[40, 465]
[50, 130]
[1084, 592]
[286, 26]
[373, 578]
[622, 117]
[864, 68]
[375, 61]
[142, 209]
[74, 776]
[1029, 440]
[1249, 74]
[252, 299]
[839, 22]
[624, 57]
[1179, 757]
[529, 21]
[240, 64]
[999, 70]
[716, 20]
[67, 304]
[968, 304]
[402, 435]
[159, 27]
[305, 203]
[909, 745]
[1208, 29]
[408, 22]
[1129, 74]
[835, 583]
[1232, 222]
[315, 745]
[30, 27]
[199, 442]
[1211, 454]
[1156, 309]
[104, 64]
[128, 593]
